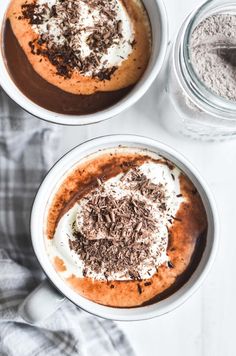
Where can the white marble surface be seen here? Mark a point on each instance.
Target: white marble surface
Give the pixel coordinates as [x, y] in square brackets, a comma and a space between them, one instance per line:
[204, 325]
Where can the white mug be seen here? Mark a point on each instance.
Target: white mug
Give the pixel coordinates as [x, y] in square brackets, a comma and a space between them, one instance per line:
[159, 24]
[49, 298]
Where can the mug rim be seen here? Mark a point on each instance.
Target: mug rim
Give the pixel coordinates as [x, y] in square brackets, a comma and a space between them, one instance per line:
[130, 99]
[142, 312]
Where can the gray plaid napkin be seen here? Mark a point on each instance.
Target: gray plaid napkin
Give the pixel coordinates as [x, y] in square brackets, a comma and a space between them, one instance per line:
[26, 152]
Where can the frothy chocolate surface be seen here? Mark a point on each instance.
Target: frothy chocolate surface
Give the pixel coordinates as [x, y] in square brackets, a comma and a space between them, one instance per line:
[139, 251]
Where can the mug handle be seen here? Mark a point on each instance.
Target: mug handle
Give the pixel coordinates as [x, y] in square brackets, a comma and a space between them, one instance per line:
[41, 303]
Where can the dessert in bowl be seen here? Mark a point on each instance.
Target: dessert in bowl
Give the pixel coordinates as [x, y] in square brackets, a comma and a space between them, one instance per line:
[77, 62]
[124, 227]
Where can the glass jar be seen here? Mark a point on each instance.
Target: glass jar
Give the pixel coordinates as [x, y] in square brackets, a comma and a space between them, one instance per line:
[201, 113]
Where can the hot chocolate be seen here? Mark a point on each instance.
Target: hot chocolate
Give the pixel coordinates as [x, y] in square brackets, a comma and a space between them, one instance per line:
[125, 228]
[76, 57]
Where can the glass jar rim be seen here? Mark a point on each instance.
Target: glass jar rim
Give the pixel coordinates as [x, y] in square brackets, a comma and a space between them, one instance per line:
[199, 94]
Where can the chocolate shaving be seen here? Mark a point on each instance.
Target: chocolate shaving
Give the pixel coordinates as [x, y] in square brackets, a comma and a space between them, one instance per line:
[139, 288]
[53, 11]
[175, 218]
[170, 264]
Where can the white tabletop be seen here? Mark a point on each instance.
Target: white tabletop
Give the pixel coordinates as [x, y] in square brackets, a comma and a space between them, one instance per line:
[204, 325]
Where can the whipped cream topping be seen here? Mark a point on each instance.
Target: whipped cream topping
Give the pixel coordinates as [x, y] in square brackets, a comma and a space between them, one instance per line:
[122, 186]
[99, 32]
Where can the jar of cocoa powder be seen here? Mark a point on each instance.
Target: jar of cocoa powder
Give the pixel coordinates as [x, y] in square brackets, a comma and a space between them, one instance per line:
[201, 80]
